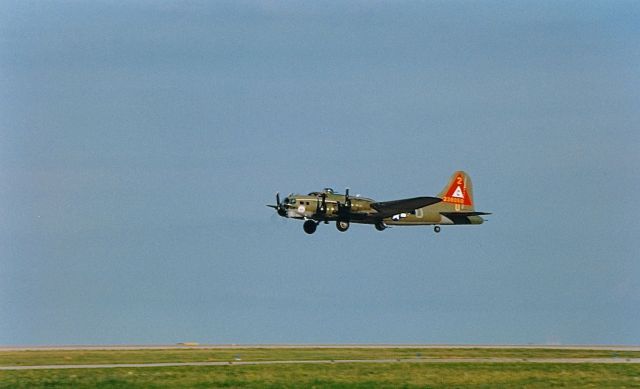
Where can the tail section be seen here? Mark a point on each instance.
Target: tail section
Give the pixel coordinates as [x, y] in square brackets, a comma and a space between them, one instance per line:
[458, 194]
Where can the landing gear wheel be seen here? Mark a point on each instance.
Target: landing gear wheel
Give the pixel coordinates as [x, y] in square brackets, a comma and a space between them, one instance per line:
[380, 226]
[309, 226]
[342, 225]
[436, 229]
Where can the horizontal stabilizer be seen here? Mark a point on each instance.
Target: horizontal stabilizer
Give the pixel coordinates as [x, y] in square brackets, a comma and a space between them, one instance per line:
[449, 214]
[390, 208]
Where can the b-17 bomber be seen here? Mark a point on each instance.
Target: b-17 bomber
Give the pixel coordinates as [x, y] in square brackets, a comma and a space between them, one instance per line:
[453, 205]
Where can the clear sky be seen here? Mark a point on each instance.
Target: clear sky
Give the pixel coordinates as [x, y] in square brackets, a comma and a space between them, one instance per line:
[141, 140]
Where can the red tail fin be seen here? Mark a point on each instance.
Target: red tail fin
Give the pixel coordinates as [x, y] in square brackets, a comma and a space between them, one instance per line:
[458, 190]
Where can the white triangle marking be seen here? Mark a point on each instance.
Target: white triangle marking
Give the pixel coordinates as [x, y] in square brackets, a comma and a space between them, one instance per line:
[458, 193]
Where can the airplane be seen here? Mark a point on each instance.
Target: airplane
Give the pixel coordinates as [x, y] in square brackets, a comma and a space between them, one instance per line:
[453, 205]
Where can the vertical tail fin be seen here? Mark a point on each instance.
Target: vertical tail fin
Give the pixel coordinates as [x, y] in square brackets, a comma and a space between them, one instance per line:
[458, 194]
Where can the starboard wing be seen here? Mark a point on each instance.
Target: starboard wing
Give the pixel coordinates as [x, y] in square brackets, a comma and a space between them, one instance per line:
[389, 208]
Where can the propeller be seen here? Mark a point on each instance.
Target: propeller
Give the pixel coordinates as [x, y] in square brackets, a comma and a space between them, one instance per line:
[345, 209]
[323, 203]
[279, 207]
[347, 200]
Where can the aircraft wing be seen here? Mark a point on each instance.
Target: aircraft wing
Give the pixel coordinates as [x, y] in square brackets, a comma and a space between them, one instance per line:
[389, 208]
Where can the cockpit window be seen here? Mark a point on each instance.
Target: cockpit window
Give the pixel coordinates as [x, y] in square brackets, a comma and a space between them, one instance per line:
[286, 200]
[293, 201]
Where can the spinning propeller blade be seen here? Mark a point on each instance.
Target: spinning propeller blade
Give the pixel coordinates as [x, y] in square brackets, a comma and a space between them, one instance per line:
[279, 207]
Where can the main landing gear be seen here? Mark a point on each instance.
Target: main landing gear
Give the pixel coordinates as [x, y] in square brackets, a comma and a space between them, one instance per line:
[436, 229]
[380, 226]
[342, 225]
[310, 226]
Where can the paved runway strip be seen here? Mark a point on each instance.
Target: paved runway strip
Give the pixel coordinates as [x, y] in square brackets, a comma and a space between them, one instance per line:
[318, 346]
[414, 360]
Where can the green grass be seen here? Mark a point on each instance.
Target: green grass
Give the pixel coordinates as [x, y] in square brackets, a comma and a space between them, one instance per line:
[363, 375]
[349, 375]
[66, 357]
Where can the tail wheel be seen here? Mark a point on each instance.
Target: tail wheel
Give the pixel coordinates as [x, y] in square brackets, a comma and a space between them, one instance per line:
[342, 225]
[309, 226]
[436, 229]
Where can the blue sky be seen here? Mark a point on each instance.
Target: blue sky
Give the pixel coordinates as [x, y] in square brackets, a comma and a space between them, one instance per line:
[140, 142]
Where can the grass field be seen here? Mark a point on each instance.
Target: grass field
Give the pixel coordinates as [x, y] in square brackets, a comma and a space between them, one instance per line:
[338, 375]
[74, 357]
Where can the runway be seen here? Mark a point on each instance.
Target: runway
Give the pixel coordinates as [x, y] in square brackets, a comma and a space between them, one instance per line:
[328, 362]
[320, 346]
[614, 358]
